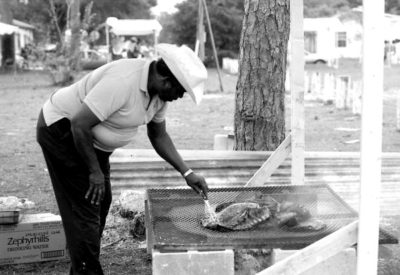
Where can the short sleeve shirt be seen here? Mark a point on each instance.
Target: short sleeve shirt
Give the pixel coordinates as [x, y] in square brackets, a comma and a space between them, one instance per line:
[117, 94]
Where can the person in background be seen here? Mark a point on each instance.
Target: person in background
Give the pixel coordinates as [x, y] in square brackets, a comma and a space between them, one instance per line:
[80, 126]
[144, 49]
[132, 48]
[117, 47]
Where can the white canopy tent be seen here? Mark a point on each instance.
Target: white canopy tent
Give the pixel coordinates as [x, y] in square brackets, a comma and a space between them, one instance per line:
[132, 27]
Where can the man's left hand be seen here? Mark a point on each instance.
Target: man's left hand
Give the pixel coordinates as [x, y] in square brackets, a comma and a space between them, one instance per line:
[198, 184]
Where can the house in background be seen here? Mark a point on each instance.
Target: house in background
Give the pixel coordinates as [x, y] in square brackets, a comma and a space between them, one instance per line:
[323, 39]
[7, 44]
[24, 34]
[13, 38]
[340, 36]
[6, 32]
[14, 35]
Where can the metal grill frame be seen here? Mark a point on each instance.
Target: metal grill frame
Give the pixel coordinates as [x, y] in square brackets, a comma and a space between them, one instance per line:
[188, 241]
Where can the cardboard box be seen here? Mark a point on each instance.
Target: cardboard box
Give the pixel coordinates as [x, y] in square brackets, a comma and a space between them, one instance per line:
[36, 238]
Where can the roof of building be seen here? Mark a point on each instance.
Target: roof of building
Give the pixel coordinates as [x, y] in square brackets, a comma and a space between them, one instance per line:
[322, 23]
[22, 25]
[7, 29]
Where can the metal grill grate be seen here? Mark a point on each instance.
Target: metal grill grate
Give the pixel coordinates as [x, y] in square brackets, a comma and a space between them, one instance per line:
[174, 217]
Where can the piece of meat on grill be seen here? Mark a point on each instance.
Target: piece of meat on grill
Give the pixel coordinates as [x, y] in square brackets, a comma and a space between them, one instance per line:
[293, 217]
[308, 225]
[264, 213]
[237, 216]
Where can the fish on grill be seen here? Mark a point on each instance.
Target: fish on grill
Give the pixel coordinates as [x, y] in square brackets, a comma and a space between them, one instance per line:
[237, 216]
[263, 213]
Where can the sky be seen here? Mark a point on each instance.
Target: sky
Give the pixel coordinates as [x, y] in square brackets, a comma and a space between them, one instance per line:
[165, 6]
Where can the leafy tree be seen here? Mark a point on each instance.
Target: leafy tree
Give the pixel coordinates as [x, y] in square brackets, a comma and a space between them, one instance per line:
[167, 22]
[325, 8]
[38, 13]
[184, 20]
[122, 9]
[5, 12]
[393, 6]
[321, 8]
[226, 20]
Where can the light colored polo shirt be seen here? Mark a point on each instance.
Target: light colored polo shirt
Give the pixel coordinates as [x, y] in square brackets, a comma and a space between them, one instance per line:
[117, 94]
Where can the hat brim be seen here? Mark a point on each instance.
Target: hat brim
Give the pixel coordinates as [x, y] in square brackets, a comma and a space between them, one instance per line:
[196, 93]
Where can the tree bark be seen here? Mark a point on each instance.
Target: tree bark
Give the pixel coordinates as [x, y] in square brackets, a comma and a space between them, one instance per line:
[260, 93]
[55, 20]
[75, 25]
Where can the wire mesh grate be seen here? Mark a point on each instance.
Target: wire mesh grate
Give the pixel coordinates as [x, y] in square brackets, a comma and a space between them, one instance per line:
[175, 217]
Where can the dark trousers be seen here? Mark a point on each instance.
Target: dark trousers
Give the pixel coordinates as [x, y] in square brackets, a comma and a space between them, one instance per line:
[83, 222]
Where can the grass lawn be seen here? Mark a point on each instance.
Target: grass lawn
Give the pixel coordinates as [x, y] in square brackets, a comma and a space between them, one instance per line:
[23, 172]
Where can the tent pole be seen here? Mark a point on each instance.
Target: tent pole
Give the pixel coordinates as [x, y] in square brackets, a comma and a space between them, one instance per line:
[213, 45]
[371, 136]
[108, 43]
[155, 43]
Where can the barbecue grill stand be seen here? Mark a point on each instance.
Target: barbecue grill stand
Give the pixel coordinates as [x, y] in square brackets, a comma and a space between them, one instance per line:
[174, 233]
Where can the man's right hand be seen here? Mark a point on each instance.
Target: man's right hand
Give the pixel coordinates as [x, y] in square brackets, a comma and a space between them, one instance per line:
[96, 189]
[198, 184]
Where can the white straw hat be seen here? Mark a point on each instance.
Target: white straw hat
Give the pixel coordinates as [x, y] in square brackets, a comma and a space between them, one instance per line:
[186, 67]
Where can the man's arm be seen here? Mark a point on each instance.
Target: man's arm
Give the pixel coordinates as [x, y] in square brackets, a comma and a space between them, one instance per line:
[81, 127]
[164, 146]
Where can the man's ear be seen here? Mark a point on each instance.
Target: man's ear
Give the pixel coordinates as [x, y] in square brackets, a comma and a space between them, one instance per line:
[163, 78]
[159, 76]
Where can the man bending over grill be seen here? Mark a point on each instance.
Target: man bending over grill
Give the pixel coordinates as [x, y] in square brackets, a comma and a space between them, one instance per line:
[82, 124]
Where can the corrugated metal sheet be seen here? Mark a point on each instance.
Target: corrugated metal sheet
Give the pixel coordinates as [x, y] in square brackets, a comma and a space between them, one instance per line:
[142, 169]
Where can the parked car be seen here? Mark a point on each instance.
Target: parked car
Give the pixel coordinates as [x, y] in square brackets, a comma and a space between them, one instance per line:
[314, 58]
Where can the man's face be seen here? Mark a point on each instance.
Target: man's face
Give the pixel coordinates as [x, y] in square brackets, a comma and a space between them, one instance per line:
[169, 91]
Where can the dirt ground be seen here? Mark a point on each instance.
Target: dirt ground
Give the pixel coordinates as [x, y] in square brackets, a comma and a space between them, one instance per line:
[23, 172]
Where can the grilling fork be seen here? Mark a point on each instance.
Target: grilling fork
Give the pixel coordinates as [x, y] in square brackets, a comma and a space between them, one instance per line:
[209, 210]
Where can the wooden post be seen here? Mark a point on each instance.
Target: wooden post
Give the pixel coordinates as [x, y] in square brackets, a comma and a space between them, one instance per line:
[271, 164]
[315, 253]
[371, 136]
[398, 112]
[15, 43]
[297, 90]
[213, 45]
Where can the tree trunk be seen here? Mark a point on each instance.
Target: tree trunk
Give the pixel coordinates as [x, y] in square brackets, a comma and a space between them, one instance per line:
[260, 94]
[75, 24]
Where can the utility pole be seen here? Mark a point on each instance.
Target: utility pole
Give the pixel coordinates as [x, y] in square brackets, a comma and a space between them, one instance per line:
[213, 44]
[201, 35]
